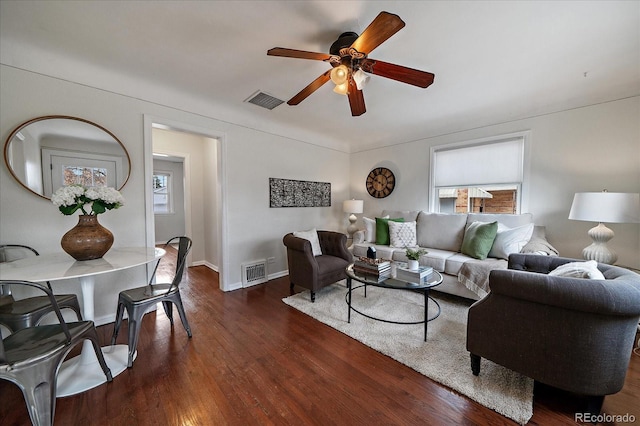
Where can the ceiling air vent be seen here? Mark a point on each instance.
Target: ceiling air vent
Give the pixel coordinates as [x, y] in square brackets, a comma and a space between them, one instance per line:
[264, 100]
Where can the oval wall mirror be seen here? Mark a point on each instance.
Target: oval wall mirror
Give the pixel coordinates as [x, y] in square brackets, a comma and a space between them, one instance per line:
[46, 153]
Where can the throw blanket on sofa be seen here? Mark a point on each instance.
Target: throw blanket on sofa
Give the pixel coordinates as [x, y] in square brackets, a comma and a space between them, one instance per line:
[540, 245]
[474, 274]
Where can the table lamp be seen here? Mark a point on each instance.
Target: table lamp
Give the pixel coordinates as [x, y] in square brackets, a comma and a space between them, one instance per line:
[352, 207]
[612, 207]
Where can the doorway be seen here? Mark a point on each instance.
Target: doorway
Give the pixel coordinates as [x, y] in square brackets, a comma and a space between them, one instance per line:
[193, 162]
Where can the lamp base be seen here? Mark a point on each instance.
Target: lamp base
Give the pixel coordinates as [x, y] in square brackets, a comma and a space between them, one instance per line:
[352, 228]
[598, 250]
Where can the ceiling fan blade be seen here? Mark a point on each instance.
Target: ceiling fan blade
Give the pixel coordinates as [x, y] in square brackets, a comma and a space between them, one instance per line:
[315, 85]
[384, 26]
[356, 99]
[397, 72]
[300, 54]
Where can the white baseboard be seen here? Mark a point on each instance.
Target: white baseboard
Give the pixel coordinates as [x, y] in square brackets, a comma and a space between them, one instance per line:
[207, 264]
[278, 274]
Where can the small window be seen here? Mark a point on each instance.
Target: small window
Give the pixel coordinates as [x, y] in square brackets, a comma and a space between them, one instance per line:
[162, 194]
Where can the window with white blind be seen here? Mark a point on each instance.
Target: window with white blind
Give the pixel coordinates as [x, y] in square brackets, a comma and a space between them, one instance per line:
[482, 176]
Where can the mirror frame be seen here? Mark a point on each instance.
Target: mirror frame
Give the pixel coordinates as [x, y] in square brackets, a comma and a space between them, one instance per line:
[52, 117]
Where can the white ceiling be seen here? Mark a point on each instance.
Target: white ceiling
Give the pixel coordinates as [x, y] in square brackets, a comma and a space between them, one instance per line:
[493, 61]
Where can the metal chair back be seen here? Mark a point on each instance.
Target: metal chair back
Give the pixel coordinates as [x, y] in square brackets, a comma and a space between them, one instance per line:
[184, 247]
[11, 252]
[29, 311]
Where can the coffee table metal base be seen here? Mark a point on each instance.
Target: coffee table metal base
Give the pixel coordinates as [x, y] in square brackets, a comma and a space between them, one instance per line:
[426, 308]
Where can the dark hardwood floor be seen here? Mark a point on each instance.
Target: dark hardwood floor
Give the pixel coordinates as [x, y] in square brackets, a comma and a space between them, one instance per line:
[255, 360]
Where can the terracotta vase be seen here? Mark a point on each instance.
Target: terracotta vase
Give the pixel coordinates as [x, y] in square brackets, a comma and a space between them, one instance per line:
[88, 239]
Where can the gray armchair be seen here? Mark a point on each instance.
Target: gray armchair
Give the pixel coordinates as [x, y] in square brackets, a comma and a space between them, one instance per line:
[315, 272]
[572, 334]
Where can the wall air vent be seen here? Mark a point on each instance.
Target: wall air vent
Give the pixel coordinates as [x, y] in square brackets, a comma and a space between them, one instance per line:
[264, 100]
[254, 273]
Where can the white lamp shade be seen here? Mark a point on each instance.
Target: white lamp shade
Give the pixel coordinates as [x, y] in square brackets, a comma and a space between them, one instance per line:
[339, 74]
[360, 78]
[342, 89]
[609, 207]
[353, 206]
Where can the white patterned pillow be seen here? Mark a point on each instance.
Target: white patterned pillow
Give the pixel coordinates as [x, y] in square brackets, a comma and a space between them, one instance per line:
[312, 236]
[402, 234]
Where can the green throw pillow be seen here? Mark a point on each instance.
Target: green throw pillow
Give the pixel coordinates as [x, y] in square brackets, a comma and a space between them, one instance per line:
[382, 230]
[478, 239]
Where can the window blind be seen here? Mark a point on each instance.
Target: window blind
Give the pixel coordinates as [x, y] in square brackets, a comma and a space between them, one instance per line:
[485, 164]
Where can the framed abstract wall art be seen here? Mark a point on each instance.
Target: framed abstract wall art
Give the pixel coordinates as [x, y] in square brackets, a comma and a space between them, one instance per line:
[298, 193]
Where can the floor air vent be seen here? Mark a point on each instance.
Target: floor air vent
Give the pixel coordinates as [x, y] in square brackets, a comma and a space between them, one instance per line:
[264, 100]
[254, 273]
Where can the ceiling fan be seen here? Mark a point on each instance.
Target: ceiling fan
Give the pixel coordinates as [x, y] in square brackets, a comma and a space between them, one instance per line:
[348, 56]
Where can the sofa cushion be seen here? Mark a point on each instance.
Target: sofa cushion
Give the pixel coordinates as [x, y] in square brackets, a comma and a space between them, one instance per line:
[330, 264]
[382, 229]
[478, 239]
[312, 236]
[407, 215]
[441, 230]
[510, 240]
[402, 234]
[454, 263]
[435, 258]
[382, 251]
[510, 220]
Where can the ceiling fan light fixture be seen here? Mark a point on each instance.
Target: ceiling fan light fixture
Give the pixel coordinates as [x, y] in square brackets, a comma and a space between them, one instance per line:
[339, 74]
[360, 78]
[342, 89]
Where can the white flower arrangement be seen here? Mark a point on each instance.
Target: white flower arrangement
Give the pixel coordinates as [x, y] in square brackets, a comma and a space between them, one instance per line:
[72, 198]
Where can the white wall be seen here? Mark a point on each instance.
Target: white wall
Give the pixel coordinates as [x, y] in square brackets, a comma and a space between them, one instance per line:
[581, 150]
[254, 230]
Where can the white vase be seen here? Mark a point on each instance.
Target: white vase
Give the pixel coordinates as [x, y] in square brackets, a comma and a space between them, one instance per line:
[413, 265]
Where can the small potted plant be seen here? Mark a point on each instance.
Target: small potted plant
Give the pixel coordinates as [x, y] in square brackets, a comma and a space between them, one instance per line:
[414, 256]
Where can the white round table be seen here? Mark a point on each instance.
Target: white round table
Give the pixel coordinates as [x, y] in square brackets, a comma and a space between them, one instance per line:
[82, 372]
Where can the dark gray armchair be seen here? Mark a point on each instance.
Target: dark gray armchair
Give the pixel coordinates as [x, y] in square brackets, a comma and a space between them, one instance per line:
[315, 272]
[569, 333]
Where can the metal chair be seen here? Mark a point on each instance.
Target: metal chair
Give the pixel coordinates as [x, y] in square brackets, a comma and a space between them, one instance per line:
[31, 357]
[138, 300]
[28, 312]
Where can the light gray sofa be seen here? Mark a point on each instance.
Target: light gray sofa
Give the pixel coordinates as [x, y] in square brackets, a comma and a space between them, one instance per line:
[441, 234]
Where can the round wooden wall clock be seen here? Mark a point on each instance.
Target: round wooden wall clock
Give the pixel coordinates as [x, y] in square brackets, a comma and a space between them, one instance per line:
[380, 182]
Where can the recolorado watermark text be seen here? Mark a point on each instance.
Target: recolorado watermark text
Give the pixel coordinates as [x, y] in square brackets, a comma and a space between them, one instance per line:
[604, 418]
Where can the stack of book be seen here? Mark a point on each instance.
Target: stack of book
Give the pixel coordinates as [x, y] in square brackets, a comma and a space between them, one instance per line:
[410, 275]
[378, 268]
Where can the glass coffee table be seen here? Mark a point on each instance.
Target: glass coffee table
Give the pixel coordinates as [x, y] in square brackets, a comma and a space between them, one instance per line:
[427, 283]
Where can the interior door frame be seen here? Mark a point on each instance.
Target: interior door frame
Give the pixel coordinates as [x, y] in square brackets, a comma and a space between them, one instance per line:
[151, 121]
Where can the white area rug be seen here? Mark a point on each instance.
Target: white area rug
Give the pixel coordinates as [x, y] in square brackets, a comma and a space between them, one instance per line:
[443, 357]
